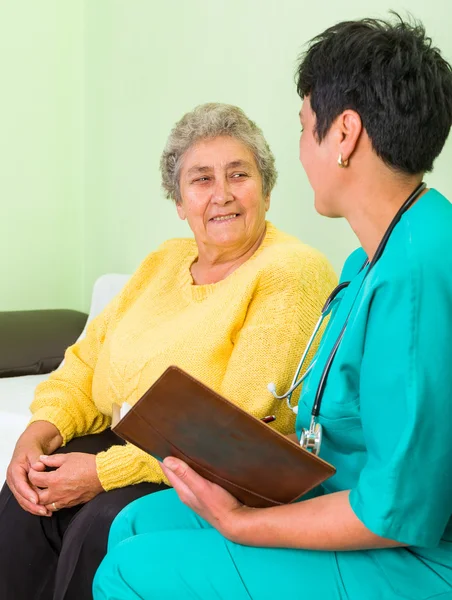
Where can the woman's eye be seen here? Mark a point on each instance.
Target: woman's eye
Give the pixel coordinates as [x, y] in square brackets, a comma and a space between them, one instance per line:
[201, 179]
[239, 175]
[301, 130]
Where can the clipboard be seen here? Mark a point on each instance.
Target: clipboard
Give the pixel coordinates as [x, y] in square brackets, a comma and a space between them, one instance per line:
[180, 416]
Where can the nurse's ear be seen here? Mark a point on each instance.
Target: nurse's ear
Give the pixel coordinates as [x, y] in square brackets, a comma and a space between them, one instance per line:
[348, 129]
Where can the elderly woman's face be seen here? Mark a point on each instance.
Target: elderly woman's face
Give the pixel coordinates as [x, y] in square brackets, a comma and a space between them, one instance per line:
[221, 194]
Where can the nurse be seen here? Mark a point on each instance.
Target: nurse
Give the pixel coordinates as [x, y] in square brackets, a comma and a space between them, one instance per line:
[377, 109]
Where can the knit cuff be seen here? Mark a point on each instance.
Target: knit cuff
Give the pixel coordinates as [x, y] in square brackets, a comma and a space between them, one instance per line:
[58, 417]
[127, 465]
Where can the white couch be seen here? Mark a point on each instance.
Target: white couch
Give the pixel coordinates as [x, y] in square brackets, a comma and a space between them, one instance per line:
[16, 393]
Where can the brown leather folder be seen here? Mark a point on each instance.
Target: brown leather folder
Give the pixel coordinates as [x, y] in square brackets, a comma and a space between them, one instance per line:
[179, 416]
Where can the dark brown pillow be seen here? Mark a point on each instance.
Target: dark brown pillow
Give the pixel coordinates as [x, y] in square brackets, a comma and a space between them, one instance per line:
[34, 341]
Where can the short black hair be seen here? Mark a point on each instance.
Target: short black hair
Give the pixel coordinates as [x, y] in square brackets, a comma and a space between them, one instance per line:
[393, 77]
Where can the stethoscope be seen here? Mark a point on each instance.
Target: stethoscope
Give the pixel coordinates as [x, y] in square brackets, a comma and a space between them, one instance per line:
[311, 439]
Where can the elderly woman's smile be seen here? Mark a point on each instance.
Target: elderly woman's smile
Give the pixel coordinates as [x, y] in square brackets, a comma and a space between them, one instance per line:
[223, 218]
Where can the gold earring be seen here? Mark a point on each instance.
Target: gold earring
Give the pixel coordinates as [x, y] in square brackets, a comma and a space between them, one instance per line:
[342, 163]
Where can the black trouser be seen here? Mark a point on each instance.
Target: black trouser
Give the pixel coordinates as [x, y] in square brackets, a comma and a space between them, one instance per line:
[45, 558]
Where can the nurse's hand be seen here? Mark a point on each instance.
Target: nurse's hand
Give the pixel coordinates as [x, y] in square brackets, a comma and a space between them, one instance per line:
[208, 500]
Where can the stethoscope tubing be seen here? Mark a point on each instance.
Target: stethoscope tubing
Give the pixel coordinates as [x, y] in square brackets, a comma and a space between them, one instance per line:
[378, 254]
[327, 309]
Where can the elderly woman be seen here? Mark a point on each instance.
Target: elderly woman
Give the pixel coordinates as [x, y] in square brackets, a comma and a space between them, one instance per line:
[225, 307]
[377, 110]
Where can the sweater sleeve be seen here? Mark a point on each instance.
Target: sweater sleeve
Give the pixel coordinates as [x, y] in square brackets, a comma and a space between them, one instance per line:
[120, 466]
[65, 398]
[278, 325]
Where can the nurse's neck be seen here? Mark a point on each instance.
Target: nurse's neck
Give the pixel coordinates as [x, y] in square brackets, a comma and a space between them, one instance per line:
[373, 201]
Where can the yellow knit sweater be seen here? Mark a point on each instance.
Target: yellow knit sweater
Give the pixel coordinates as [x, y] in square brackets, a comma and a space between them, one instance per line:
[235, 336]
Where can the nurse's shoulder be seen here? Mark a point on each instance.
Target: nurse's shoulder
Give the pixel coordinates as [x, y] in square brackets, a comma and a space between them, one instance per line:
[353, 265]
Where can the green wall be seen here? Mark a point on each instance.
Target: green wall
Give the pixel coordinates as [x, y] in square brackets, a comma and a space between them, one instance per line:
[150, 62]
[41, 144]
[90, 93]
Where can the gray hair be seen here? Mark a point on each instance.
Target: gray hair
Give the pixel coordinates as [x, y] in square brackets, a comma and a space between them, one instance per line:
[209, 121]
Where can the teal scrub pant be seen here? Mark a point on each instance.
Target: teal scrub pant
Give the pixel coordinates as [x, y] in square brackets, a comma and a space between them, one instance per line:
[160, 549]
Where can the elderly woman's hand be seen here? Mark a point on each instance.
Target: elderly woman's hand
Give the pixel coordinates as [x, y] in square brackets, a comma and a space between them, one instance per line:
[39, 437]
[17, 478]
[74, 480]
[208, 500]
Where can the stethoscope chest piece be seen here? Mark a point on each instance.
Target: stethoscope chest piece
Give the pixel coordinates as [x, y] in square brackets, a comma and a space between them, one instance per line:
[311, 439]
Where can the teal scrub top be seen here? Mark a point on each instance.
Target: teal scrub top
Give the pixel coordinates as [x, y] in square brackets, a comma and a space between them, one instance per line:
[387, 407]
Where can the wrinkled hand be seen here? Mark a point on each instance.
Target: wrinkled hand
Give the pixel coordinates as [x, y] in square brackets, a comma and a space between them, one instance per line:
[210, 501]
[75, 480]
[17, 478]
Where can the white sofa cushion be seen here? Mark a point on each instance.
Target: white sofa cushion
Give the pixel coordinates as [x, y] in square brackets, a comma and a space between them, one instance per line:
[16, 393]
[11, 426]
